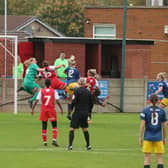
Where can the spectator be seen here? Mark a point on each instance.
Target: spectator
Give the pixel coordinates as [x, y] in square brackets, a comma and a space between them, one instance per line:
[20, 69]
[61, 60]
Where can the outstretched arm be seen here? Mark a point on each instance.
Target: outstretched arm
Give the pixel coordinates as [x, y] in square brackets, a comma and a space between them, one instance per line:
[40, 69]
[159, 90]
[59, 66]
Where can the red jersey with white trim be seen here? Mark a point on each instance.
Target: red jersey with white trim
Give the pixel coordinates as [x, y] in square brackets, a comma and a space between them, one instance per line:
[50, 73]
[91, 82]
[47, 97]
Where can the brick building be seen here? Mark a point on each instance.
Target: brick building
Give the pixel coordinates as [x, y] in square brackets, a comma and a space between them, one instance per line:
[142, 23]
[103, 54]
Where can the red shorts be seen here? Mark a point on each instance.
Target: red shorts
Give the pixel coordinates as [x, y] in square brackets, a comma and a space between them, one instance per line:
[48, 113]
[57, 84]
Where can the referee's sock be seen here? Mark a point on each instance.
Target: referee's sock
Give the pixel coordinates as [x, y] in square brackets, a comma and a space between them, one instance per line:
[69, 108]
[71, 137]
[146, 166]
[86, 135]
[160, 166]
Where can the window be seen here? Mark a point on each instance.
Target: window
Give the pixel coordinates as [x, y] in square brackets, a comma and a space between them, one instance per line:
[104, 31]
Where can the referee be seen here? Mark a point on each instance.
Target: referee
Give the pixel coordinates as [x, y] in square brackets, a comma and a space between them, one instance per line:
[81, 103]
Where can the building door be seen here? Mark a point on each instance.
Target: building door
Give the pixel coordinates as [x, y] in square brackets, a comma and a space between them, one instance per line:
[110, 66]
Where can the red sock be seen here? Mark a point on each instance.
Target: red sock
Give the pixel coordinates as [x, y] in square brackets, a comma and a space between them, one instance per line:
[44, 135]
[54, 131]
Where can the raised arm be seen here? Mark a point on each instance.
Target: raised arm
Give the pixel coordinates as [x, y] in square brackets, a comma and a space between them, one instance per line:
[59, 66]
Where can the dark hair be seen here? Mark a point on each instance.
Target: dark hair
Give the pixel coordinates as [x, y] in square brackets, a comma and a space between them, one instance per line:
[154, 100]
[62, 51]
[45, 63]
[47, 82]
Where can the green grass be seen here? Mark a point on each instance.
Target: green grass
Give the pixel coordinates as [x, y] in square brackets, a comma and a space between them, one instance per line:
[114, 139]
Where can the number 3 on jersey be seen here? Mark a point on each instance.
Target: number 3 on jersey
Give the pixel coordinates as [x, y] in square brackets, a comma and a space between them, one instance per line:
[47, 100]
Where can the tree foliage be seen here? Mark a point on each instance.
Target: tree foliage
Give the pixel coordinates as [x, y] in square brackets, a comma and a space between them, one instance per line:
[23, 7]
[65, 15]
[2, 7]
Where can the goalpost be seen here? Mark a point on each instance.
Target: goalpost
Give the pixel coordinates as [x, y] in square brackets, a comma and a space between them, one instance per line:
[8, 52]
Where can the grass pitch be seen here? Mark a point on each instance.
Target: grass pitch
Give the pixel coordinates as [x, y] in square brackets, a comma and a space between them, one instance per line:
[114, 140]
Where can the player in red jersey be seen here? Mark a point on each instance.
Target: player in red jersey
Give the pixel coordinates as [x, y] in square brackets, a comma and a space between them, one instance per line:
[93, 86]
[47, 96]
[51, 74]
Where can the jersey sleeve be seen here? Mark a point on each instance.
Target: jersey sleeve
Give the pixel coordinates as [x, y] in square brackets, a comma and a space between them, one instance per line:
[142, 115]
[56, 95]
[52, 67]
[97, 84]
[56, 62]
[160, 84]
[35, 66]
[164, 119]
[38, 96]
[66, 70]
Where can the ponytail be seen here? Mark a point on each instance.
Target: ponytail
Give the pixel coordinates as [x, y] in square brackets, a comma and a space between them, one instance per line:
[154, 100]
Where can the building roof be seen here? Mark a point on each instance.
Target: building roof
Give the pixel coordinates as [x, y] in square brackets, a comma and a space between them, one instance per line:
[17, 23]
[90, 40]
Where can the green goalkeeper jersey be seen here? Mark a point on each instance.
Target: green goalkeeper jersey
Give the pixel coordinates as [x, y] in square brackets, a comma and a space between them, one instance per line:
[31, 73]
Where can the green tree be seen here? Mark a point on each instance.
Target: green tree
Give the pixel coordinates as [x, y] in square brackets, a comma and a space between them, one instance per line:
[23, 7]
[65, 15]
[2, 7]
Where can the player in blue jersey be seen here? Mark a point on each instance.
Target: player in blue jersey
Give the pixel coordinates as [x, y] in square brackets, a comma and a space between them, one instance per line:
[73, 76]
[163, 88]
[153, 120]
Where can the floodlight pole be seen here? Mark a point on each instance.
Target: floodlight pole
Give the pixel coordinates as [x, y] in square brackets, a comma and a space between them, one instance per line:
[5, 33]
[123, 57]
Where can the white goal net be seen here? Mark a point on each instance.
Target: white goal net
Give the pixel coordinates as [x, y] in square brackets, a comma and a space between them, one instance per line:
[8, 73]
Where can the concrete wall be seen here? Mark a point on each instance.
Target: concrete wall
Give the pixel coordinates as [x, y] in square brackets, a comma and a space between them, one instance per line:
[134, 97]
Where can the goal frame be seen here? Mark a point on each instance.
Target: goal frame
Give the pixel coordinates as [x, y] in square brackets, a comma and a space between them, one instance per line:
[15, 55]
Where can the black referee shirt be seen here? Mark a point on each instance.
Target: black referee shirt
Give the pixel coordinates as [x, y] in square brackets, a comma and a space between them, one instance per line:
[82, 100]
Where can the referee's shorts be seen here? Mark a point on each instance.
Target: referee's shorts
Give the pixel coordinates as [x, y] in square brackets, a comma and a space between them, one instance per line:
[79, 120]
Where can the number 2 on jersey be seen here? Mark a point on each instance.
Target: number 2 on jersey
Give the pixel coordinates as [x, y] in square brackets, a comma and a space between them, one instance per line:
[70, 73]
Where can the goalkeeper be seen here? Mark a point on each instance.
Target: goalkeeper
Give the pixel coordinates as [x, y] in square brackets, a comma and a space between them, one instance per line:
[30, 85]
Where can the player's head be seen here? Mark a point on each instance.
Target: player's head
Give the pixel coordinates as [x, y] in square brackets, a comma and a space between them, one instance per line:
[154, 100]
[82, 81]
[62, 54]
[33, 60]
[161, 76]
[92, 72]
[45, 63]
[30, 61]
[72, 62]
[47, 83]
